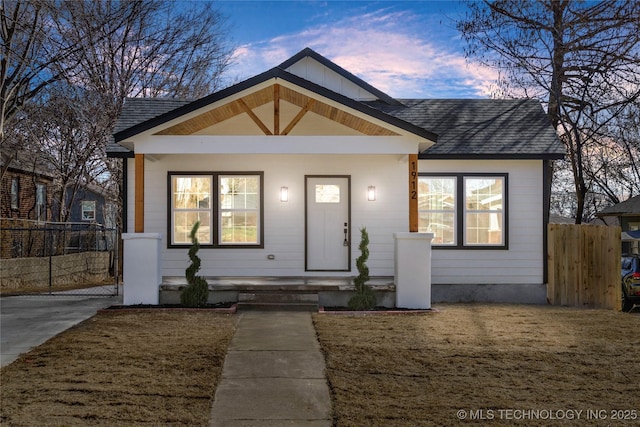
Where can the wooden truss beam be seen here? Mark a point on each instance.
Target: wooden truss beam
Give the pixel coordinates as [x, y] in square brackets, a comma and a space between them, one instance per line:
[299, 116]
[255, 118]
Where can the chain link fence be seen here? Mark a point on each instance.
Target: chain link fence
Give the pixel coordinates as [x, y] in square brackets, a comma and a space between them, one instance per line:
[58, 258]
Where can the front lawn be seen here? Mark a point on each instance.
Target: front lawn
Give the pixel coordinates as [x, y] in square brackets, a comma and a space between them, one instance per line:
[484, 365]
[463, 365]
[128, 369]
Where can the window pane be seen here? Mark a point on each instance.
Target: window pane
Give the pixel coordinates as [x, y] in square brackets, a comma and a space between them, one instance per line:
[239, 227]
[327, 193]
[484, 229]
[483, 193]
[183, 223]
[191, 192]
[441, 225]
[41, 201]
[437, 208]
[239, 209]
[88, 210]
[239, 192]
[15, 190]
[436, 193]
[484, 211]
[191, 198]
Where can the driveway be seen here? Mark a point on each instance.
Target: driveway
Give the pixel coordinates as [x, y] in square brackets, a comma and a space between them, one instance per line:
[28, 321]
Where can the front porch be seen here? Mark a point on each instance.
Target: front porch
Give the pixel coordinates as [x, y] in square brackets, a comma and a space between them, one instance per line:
[296, 292]
[410, 286]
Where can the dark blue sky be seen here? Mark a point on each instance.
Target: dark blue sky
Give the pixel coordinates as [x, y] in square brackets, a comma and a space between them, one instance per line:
[404, 48]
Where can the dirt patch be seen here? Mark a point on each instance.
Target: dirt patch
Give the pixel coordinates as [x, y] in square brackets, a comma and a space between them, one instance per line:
[496, 364]
[139, 368]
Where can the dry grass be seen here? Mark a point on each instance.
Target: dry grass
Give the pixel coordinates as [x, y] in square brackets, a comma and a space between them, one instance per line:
[423, 369]
[161, 368]
[133, 369]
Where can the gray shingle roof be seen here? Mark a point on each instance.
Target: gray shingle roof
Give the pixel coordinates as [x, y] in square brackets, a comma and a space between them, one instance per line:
[628, 207]
[482, 127]
[138, 110]
[465, 128]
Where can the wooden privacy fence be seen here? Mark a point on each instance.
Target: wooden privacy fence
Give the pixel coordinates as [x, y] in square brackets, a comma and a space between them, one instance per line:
[584, 266]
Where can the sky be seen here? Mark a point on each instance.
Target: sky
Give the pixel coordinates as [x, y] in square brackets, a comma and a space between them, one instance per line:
[407, 49]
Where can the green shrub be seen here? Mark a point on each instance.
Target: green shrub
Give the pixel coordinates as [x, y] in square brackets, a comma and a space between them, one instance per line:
[196, 292]
[364, 298]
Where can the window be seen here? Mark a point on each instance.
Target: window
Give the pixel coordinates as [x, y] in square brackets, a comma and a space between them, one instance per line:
[634, 248]
[463, 210]
[88, 210]
[327, 193]
[228, 206]
[41, 202]
[15, 193]
[437, 208]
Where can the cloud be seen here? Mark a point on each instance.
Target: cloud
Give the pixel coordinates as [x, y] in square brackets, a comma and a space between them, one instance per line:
[399, 53]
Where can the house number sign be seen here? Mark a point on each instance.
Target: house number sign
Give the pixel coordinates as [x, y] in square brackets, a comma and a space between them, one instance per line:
[413, 193]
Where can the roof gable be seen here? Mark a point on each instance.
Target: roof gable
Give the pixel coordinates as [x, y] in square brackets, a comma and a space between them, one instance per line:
[314, 67]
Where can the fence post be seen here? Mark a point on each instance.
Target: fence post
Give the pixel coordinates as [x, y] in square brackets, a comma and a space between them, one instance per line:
[46, 249]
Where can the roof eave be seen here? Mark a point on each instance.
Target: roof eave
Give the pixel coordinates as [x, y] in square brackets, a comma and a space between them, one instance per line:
[490, 156]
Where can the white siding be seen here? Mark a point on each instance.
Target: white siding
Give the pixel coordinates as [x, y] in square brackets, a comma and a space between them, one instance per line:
[523, 262]
[312, 70]
[284, 222]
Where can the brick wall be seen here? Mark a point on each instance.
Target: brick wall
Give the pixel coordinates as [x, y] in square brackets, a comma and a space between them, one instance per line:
[26, 196]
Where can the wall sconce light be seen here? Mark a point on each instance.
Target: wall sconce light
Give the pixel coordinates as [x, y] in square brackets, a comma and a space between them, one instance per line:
[371, 193]
[284, 194]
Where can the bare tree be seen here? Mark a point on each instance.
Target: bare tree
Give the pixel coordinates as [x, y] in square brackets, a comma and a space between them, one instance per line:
[29, 48]
[71, 128]
[104, 51]
[144, 49]
[581, 58]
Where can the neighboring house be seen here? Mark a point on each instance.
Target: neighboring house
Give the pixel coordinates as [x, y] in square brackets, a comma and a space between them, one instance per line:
[26, 190]
[87, 205]
[558, 219]
[627, 215]
[283, 169]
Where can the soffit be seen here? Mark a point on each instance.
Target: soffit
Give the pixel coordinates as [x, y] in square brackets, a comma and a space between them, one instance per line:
[277, 110]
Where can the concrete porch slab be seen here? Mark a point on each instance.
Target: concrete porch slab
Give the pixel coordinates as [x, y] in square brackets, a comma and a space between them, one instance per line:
[275, 283]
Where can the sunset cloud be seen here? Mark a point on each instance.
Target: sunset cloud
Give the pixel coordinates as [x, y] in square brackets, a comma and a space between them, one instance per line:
[396, 52]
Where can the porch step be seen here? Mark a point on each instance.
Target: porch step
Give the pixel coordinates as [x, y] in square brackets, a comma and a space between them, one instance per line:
[278, 300]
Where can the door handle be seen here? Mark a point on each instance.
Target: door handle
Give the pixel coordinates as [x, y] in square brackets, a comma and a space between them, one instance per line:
[346, 231]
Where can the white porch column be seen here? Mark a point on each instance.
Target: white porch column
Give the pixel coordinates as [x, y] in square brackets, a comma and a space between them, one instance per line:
[141, 268]
[413, 270]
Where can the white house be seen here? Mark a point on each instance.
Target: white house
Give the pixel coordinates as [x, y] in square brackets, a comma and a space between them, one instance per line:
[283, 169]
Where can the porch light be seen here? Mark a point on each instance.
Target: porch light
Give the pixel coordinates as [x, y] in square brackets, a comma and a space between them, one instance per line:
[284, 194]
[371, 193]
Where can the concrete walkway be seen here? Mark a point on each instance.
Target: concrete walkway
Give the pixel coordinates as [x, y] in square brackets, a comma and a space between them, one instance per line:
[273, 374]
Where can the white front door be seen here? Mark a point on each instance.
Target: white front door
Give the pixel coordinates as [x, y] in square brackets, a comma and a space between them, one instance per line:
[328, 227]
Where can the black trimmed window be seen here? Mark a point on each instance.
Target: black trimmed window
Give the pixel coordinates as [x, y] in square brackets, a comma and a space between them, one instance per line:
[229, 206]
[464, 210]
